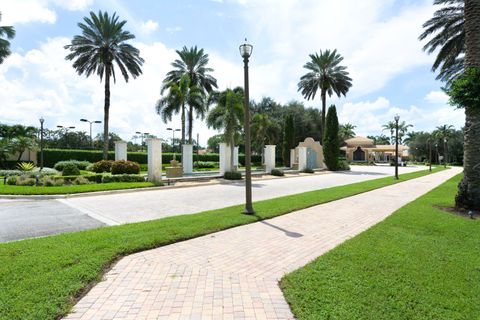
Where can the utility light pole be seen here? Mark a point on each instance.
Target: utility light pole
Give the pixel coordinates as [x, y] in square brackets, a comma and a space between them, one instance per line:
[91, 122]
[397, 118]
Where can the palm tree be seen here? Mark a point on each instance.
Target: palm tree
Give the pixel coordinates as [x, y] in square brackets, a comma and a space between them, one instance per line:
[193, 62]
[402, 130]
[264, 131]
[448, 25]
[442, 134]
[227, 115]
[327, 75]
[6, 34]
[102, 45]
[390, 126]
[410, 137]
[178, 97]
[346, 131]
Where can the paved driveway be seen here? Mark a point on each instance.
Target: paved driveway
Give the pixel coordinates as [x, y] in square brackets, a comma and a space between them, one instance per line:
[20, 219]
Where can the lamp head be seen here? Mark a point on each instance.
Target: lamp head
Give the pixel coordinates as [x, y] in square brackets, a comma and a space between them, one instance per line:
[246, 49]
[138, 132]
[397, 117]
[98, 121]
[84, 120]
[42, 120]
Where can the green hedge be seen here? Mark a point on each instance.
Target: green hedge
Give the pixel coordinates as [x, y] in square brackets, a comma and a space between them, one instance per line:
[52, 156]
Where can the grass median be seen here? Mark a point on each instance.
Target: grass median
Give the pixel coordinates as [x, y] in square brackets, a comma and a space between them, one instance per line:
[419, 263]
[71, 189]
[40, 278]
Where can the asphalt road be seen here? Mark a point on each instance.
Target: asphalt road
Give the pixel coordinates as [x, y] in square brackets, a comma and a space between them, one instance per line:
[21, 219]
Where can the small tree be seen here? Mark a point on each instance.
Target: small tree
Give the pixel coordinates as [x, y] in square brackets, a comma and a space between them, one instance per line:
[331, 144]
[288, 139]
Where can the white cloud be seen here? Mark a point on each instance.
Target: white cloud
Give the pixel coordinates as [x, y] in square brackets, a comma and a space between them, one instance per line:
[173, 29]
[73, 5]
[437, 97]
[25, 11]
[148, 26]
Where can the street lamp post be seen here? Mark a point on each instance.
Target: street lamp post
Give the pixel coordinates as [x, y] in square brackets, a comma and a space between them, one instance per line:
[198, 147]
[66, 133]
[173, 140]
[429, 155]
[397, 118]
[445, 152]
[438, 155]
[246, 52]
[142, 136]
[41, 142]
[91, 122]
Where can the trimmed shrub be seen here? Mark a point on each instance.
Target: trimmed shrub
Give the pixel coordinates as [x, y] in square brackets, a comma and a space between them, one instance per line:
[308, 170]
[12, 180]
[52, 182]
[81, 180]
[125, 167]
[233, 175]
[123, 178]
[82, 165]
[70, 169]
[277, 172]
[25, 181]
[8, 173]
[331, 143]
[102, 166]
[343, 165]
[45, 172]
[205, 164]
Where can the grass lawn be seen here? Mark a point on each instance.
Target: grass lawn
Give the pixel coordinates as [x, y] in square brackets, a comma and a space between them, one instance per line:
[28, 190]
[39, 278]
[419, 263]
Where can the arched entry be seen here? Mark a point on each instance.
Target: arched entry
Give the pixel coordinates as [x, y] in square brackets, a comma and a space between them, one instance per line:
[311, 159]
[359, 155]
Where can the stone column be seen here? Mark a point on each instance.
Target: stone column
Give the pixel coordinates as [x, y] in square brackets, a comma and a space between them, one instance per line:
[302, 158]
[120, 150]
[269, 158]
[154, 147]
[235, 157]
[187, 158]
[224, 158]
[292, 157]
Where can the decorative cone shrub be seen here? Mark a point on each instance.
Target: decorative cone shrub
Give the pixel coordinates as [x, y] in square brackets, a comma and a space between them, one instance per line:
[331, 143]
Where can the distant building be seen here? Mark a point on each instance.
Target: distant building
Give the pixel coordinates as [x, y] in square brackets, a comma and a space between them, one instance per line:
[361, 149]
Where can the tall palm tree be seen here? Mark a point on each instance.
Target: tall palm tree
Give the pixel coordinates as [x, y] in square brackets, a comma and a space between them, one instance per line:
[442, 134]
[346, 131]
[193, 62]
[402, 130]
[102, 45]
[264, 131]
[327, 75]
[390, 126]
[179, 96]
[227, 115]
[448, 28]
[6, 34]
[468, 195]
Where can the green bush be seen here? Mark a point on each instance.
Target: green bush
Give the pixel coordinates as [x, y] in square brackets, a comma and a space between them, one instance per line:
[233, 175]
[125, 167]
[343, 166]
[81, 180]
[205, 164]
[123, 178]
[102, 166]
[308, 170]
[331, 143]
[144, 167]
[52, 182]
[8, 173]
[12, 180]
[82, 165]
[26, 181]
[277, 172]
[70, 169]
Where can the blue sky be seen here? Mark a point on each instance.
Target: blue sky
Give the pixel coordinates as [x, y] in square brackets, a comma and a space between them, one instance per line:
[378, 39]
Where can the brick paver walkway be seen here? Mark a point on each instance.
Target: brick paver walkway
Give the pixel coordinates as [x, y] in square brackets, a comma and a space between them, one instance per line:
[233, 274]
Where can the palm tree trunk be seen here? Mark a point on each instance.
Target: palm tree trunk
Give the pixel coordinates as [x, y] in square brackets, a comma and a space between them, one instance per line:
[106, 111]
[324, 106]
[183, 123]
[232, 152]
[468, 195]
[190, 124]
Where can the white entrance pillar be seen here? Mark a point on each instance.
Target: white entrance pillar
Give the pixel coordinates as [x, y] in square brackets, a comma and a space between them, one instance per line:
[292, 157]
[302, 158]
[224, 157]
[154, 147]
[187, 158]
[269, 158]
[120, 150]
[235, 157]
